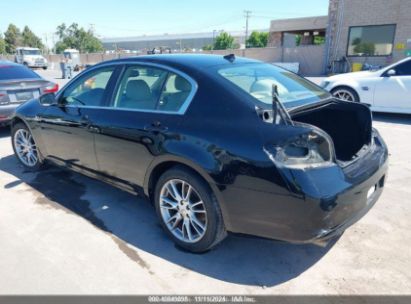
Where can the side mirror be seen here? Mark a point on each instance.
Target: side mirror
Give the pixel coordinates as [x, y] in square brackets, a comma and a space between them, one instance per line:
[48, 99]
[391, 73]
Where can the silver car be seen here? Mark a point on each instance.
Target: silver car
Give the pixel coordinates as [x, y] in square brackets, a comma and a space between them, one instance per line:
[19, 84]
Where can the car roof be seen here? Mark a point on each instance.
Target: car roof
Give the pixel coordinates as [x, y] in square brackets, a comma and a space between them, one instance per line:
[8, 63]
[191, 61]
[27, 48]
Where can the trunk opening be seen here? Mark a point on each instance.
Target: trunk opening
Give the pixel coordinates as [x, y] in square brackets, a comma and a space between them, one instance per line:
[348, 124]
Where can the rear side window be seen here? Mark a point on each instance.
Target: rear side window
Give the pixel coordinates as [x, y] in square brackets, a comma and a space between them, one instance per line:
[152, 89]
[11, 72]
[175, 93]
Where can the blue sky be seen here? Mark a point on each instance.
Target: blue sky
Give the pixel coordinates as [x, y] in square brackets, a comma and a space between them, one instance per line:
[117, 18]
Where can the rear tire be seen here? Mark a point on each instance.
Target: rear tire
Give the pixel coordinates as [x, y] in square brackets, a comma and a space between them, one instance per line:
[25, 147]
[346, 94]
[188, 210]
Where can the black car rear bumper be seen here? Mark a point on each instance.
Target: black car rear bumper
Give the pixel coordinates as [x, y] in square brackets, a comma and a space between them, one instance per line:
[321, 203]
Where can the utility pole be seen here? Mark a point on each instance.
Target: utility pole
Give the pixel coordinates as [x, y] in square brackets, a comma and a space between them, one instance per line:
[92, 29]
[214, 32]
[247, 15]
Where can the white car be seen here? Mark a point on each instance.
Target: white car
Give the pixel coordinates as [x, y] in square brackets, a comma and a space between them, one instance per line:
[386, 90]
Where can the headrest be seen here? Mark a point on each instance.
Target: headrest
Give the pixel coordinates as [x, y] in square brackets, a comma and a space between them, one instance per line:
[133, 73]
[138, 90]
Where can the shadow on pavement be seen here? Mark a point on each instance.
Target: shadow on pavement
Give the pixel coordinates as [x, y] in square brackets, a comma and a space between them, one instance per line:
[403, 119]
[132, 220]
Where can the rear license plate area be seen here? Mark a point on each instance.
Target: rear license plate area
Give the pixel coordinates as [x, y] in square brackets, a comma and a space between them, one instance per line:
[23, 96]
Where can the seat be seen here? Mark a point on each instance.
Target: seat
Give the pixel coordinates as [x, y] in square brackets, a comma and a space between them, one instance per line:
[137, 96]
[174, 101]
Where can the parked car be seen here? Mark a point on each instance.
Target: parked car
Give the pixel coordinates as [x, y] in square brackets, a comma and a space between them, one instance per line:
[17, 85]
[31, 57]
[386, 90]
[217, 144]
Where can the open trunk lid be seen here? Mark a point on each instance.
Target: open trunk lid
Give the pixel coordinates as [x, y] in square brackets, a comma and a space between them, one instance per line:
[348, 124]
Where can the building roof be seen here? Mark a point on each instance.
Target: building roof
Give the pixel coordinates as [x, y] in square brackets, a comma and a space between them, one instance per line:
[299, 24]
[171, 36]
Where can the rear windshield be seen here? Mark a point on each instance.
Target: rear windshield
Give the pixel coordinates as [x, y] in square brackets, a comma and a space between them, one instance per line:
[11, 72]
[257, 79]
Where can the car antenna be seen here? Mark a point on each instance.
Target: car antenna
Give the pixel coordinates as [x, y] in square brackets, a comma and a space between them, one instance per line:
[278, 108]
[230, 57]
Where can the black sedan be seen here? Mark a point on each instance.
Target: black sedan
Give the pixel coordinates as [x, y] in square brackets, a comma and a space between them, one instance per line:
[218, 144]
[17, 85]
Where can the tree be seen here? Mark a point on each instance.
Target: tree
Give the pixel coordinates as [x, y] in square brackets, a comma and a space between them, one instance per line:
[257, 40]
[2, 45]
[76, 37]
[224, 41]
[13, 38]
[208, 47]
[30, 39]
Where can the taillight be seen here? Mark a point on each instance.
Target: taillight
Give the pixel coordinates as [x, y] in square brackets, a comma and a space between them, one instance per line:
[52, 88]
[311, 149]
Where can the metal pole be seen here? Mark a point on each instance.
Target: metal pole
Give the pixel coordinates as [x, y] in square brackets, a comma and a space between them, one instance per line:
[247, 16]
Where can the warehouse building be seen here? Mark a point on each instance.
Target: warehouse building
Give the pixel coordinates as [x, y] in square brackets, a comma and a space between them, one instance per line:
[189, 41]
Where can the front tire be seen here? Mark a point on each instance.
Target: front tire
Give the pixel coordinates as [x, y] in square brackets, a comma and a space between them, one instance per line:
[25, 147]
[345, 94]
[188, 210]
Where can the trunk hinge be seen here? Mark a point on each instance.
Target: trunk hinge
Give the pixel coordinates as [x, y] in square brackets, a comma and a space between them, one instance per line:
[280, 113]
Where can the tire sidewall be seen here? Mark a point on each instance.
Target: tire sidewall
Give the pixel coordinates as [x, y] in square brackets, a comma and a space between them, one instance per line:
[214, 218]
[39, 163]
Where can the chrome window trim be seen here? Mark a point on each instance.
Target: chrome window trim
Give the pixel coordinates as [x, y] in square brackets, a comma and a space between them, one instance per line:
[181, 111]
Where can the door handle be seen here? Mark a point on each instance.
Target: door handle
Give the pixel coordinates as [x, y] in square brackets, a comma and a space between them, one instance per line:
[155, 126]
[85, 120]
[94, 129]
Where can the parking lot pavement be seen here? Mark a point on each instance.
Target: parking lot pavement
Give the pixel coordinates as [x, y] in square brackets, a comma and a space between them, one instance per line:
[62, 233]
[53, 75]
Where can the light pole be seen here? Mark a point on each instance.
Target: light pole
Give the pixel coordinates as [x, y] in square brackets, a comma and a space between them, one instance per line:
[247, 15]
[214, 32]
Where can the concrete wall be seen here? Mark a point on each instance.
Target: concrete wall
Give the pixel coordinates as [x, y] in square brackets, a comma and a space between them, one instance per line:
[309, 57]
[346, 13]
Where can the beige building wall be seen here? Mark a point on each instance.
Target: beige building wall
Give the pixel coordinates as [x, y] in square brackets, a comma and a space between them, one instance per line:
[346, 13]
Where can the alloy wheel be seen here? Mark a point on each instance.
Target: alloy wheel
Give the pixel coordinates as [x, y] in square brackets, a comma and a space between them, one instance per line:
[183, 211]
[344, 95]
[26, 148]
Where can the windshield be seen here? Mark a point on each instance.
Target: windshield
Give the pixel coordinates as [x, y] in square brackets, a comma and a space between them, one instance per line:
[31, 52]
[257, 79]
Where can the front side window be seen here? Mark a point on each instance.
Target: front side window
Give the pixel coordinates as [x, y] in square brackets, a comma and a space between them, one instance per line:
[153, 89]
[376, 40]
[257, 79]
[89, 89]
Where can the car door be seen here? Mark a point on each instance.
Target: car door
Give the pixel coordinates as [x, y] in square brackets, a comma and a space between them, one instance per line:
[394, 91]
[67, 131]
[142, 121]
